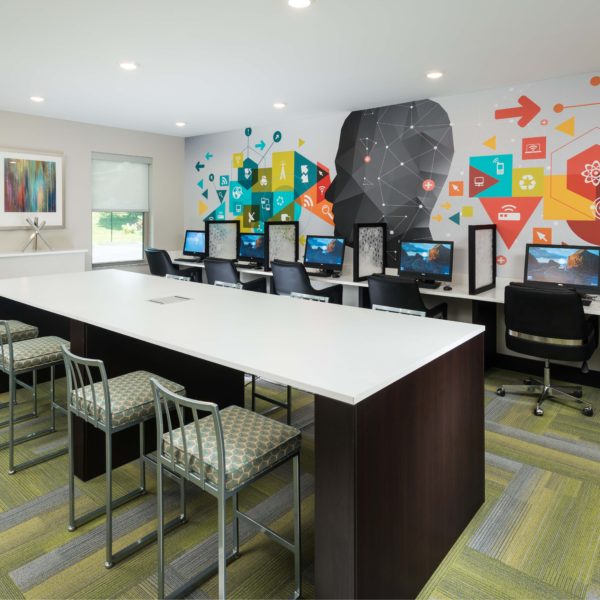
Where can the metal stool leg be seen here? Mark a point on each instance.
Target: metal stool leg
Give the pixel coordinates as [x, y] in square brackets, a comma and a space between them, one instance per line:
[142, 461]
[289, 404]
[72, 525]
[109, 504]
[253, 392]
[297, 544]
[222, 557]
[35, 395]
[160, 531]
[235, 526]
[12, 394]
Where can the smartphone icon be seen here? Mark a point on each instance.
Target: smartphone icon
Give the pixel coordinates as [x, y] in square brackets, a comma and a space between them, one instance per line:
[499, 168]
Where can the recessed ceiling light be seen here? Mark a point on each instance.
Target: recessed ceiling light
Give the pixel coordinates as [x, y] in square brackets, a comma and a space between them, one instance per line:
[128, 65]
[299, 3]
[434, 74]
[180, 124]
[279, 105]
[37, 98]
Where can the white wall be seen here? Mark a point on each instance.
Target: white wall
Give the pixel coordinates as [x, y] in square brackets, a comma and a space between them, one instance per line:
[77, 141]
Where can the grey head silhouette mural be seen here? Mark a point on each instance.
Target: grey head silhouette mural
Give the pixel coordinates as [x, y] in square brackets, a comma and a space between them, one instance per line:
[391, 164]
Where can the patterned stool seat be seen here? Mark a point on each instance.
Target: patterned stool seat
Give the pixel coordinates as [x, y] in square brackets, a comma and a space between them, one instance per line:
[33, 354]
[131, 397]
[18, 331]
[252, 444]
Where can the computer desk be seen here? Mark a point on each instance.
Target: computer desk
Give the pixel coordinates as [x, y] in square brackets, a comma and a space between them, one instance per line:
[399, 423]
[481, 309]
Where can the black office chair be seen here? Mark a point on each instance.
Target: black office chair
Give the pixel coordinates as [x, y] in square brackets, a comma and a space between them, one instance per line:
[404, 294]
[160, 264]
[289, 277]
[223, 270]
[548, 324]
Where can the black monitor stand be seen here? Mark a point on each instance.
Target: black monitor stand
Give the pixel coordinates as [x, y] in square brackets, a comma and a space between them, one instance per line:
[429, 283]
[250, 264]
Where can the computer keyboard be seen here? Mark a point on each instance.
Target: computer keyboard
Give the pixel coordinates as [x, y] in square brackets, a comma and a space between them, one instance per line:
[190, 260]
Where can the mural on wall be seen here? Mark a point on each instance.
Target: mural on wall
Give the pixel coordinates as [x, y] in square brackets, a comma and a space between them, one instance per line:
[391, 163]
[267, 184]
[548, 178]
[525, 158]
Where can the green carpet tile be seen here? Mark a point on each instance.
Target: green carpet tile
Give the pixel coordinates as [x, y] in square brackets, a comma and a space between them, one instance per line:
[536, 536]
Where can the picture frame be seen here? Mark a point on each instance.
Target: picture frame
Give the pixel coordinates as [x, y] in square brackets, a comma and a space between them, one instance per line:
[281, 241]
[369, 250]
[222, 239]
[31, 187]
[482, 258]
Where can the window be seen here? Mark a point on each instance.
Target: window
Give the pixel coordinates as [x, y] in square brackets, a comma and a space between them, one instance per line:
[120, 204]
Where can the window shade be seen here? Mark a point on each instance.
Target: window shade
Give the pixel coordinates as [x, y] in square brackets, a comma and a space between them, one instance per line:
[120, 183]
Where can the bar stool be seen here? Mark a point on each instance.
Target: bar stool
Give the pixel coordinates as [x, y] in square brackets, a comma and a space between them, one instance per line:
[288, 403]
[19, 331]
[222, 454]
[112, 405]
[16, 359]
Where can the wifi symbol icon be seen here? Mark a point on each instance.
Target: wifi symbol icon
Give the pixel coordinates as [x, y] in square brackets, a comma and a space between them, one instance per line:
[307, 201]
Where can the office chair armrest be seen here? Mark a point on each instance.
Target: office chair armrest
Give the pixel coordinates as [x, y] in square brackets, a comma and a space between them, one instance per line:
[256, 285]
[439, 309]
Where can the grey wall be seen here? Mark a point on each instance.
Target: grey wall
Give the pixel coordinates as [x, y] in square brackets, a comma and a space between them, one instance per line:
[77, 141]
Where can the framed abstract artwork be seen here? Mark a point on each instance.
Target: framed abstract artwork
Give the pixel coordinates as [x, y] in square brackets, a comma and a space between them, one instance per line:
[482, 258]
[222, 239]
[281, 241]
[369, 250]
[32, 187]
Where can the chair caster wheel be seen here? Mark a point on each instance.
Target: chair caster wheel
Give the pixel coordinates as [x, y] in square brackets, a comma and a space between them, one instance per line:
[11, 472]
[71, 528]
[528, 381]
[500, 392]
[538, 412]
[588, 411]
[108, 565]
[577, 394]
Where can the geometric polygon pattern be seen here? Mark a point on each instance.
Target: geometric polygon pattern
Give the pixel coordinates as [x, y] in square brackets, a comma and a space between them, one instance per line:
[383, 157]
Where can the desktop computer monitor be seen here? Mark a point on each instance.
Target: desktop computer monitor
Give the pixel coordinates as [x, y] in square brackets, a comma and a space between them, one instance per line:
[324, 252]
[252, 248]
[570, 266]
[194, 243]
[429, 262]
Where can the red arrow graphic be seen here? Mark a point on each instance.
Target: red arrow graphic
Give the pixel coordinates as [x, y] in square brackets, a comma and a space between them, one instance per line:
[525, 112]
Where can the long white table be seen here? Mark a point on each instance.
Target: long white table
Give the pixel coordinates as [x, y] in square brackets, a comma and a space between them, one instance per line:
[398, 413]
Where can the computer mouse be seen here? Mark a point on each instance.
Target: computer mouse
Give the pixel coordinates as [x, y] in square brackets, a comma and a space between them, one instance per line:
[447, 288]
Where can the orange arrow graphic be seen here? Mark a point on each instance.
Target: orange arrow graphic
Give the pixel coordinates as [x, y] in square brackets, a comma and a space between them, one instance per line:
[437, 218]
[447, 205]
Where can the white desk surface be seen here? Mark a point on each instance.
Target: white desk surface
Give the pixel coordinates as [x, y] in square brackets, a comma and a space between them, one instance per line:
[343, 352]
[32, 253]
[460, 287]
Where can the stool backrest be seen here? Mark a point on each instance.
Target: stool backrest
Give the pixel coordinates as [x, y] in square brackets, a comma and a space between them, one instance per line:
[402, 311]
[164, 401]
[82, 376]
[6, 340]
[227, 284]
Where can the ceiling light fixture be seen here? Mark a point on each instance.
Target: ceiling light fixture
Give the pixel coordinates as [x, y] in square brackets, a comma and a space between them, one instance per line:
[37, 98]
[279, 105]
[299, 3]
[434, 75]
[180, 124]
[128, 65]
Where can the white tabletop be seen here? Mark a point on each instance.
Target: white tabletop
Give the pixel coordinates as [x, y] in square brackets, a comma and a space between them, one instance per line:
[342, 352]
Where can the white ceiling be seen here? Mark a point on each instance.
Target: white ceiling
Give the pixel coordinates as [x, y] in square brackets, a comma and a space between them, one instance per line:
[220, 64]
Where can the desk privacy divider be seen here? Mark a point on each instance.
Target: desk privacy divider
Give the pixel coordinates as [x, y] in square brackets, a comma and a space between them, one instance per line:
[281, 241]
[482, 258]
[369, 250]
[222, 239]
